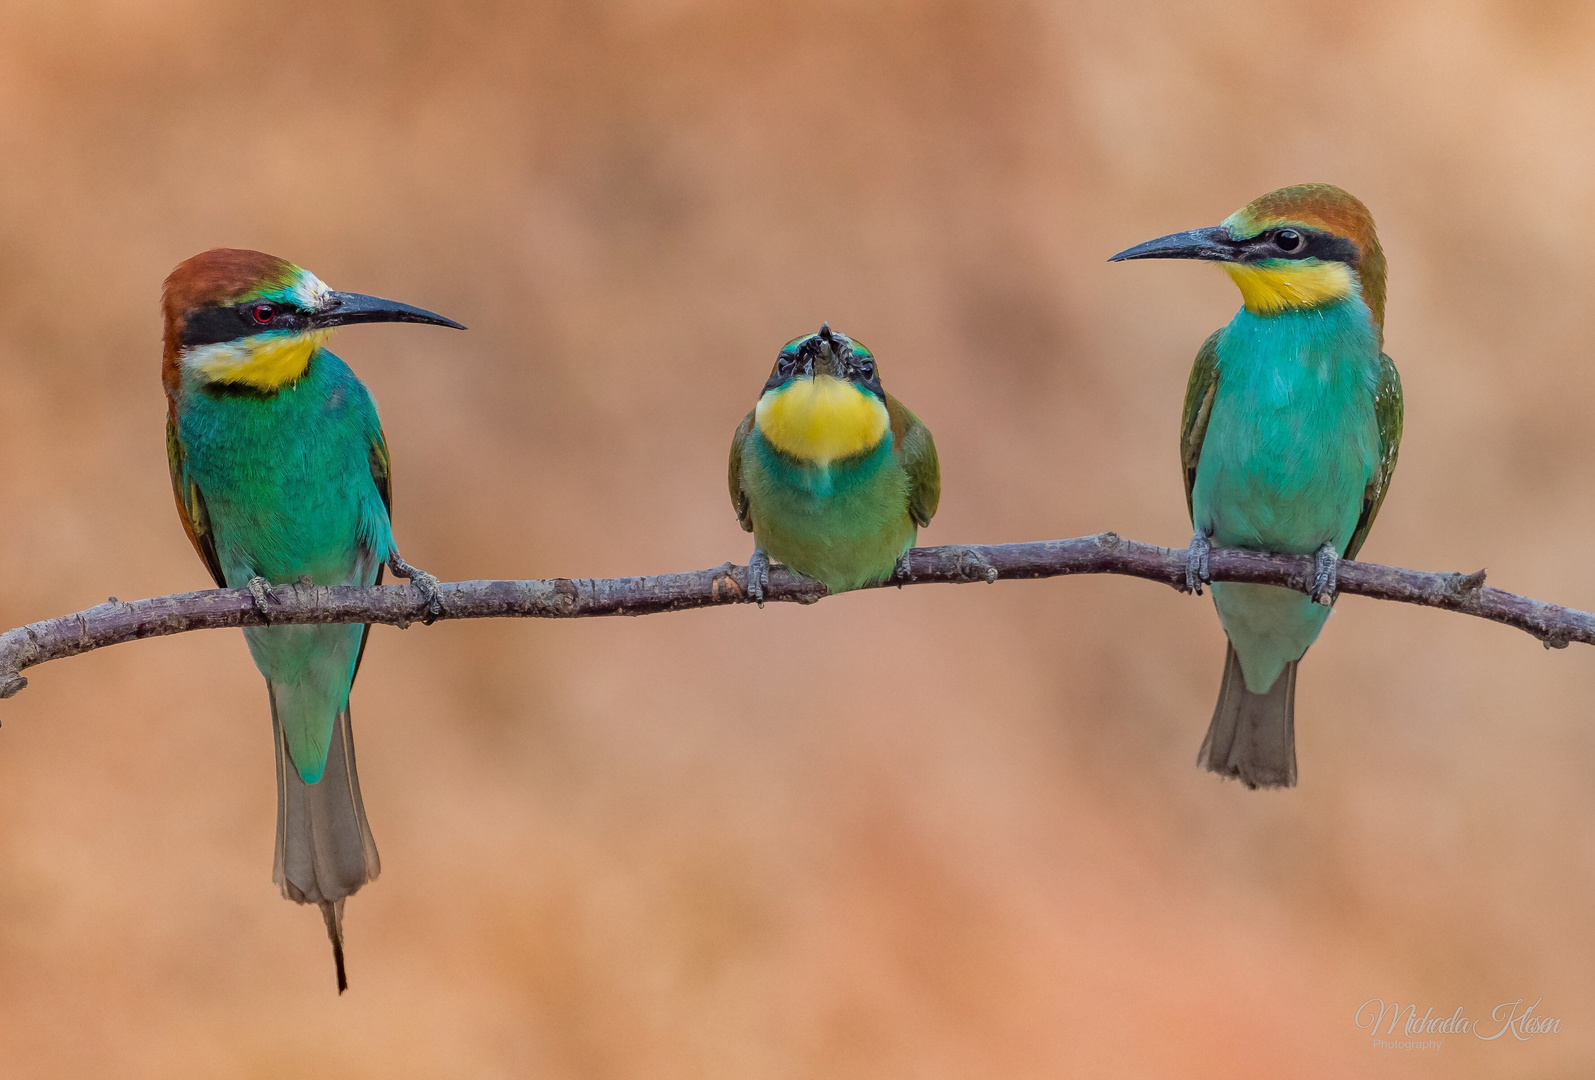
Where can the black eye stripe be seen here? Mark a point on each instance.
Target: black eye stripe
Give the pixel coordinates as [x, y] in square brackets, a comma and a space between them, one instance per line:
[214, 325]
[1313, 244]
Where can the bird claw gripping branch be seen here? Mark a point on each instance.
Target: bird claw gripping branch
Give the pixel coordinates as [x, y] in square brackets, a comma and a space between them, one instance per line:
[902, 574]
[1326, 562]
[429, 587]
[261, 590]
[758, 575]
[1196, 563]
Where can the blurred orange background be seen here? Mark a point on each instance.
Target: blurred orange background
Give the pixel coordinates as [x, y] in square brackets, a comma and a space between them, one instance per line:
[936, 833]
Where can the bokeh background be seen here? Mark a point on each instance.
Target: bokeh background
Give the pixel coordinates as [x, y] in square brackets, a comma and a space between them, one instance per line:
[942, 832]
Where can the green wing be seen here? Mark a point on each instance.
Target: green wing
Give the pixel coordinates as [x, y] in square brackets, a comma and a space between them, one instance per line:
[382, 473]
[191, 505]
[917, 452]
[1387, 410]
[739, 498]
[1198, 409]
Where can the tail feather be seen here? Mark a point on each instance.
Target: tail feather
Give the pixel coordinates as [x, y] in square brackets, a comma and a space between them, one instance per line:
[1253, 736]
[325, 850]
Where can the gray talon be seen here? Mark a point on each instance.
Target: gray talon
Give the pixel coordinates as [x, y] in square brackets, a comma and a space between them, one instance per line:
[901, 574]
[1196, 563]
[758, 575]
[262, 591]
[429, 587]
[1326, 562]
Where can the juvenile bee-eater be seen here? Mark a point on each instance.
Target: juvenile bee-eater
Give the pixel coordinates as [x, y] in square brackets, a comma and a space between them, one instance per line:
[1289, 437]
[281, 472]
[832, 475]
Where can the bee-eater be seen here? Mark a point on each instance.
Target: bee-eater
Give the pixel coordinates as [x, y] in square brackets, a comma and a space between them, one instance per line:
[832, 475]
[281, 472]
[1288, 440]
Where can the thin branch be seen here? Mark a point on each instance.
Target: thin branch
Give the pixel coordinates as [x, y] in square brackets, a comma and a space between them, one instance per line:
[575, 598]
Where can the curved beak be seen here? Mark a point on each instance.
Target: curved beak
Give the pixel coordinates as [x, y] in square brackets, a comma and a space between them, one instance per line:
[1214, 243]
[346, 308]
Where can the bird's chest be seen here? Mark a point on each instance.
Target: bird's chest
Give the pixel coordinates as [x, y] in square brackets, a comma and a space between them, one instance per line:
[1292, 438]
[853, 495]
[284, 477]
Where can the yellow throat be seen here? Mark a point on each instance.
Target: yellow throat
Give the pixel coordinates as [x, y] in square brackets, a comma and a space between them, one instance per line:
[265, 361]
[821, 420]
[1291, 286]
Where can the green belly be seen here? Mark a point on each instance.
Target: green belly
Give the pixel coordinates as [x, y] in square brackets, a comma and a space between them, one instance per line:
[845, 524]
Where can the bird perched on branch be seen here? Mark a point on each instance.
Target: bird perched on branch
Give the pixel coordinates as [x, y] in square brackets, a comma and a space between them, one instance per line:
[281, 472]
[832, 475]
[1289, 436]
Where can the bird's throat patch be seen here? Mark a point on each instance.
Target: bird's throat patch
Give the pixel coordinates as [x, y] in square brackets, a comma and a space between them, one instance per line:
[1290, 285]
[821, 420]
[264, 362]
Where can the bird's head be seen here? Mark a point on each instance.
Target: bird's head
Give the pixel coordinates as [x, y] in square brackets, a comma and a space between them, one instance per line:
[1300, 247]
[251, 320]
[823, 400]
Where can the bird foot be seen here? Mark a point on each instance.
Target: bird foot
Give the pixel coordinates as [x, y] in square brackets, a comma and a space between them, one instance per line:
[261, 590]
[901, 574]
[429, 587]
[1196, 572]
[972, 566]
[758, 575]
[1325, 564]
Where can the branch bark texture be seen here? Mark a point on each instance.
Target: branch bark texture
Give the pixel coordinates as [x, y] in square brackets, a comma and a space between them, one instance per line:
[575, 598]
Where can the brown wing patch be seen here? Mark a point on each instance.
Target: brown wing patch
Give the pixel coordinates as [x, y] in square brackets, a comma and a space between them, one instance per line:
[191, 506]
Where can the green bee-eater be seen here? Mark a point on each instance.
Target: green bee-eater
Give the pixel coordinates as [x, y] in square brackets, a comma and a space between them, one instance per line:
[832, 475]
[1289, 437]
[281, 472]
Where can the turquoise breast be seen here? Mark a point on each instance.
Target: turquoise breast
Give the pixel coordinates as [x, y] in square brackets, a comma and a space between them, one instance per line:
[1291, 443]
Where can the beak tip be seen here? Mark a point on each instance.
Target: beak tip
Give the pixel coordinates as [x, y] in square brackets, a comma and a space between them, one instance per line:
[1214, 244]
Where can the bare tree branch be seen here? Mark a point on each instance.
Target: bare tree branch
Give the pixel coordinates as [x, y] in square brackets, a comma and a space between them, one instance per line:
[574, 598]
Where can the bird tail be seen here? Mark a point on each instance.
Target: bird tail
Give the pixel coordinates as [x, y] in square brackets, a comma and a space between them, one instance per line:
[325, 850]
[1253, 736]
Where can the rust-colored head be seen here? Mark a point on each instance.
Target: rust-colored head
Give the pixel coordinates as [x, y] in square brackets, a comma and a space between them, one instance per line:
[1297, 248]
[218, 278]
[250, 319]
[1327, 209]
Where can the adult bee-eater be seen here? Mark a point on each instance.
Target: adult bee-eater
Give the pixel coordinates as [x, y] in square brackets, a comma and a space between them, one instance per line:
[1288, 440]
[832, 475]
[281, 472]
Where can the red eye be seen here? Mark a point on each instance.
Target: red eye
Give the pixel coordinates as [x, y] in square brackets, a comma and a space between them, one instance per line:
[263, 313]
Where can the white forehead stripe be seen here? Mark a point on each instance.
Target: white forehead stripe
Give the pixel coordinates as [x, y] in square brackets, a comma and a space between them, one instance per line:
[310, 292]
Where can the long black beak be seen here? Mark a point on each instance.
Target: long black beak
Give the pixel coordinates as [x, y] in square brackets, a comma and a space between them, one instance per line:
[1215, 243]
[346, 308]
